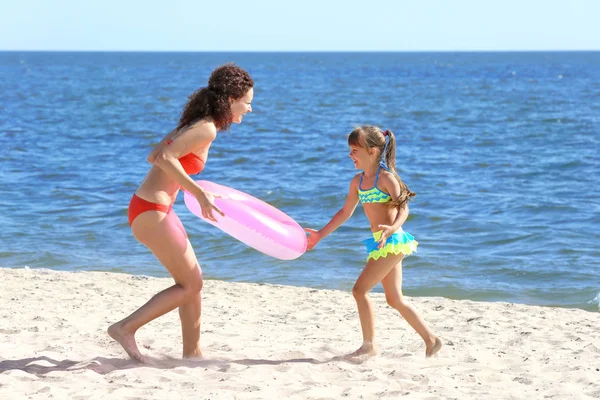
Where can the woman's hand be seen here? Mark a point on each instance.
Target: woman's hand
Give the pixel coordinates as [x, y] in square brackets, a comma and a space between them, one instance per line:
[152, 156]
[155, 152]
[313, 238]
[206, 200]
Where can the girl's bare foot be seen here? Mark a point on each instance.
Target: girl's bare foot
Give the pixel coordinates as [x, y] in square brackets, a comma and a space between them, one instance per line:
[433, 347]
[126, 340]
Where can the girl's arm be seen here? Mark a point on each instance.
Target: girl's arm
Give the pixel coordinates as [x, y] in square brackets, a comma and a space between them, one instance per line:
[339, 218]
[390, 184]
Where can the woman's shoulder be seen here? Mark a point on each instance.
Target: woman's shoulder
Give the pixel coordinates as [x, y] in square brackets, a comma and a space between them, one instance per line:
[204, 122]
[205, 127]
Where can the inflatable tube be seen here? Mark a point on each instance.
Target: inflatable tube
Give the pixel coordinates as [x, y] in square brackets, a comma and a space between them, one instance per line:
[253, 222]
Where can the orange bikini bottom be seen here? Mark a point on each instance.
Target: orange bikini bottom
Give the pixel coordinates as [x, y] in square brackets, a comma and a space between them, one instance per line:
[137, 205]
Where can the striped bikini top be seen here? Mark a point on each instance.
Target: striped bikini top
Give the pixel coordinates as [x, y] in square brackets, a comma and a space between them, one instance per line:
[373, 195]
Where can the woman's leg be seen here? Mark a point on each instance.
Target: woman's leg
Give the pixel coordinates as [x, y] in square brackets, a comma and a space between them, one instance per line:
[189, 312]
[173, 250]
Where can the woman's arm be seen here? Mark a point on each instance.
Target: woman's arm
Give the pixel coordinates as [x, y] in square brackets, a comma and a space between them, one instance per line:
[160, 146]
[201, 135]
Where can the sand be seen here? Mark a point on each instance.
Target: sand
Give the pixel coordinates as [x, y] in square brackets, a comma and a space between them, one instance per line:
[281, 342]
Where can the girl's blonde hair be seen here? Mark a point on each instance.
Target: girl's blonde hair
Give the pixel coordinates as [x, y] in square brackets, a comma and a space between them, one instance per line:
[369, 137]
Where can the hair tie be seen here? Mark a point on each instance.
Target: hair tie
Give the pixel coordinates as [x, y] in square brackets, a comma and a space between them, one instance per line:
[383, 162]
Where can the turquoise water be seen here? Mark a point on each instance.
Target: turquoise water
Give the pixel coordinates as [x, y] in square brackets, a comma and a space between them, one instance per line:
[501, 149]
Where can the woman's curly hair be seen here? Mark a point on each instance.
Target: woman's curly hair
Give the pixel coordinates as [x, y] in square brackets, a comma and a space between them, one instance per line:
[225, 82]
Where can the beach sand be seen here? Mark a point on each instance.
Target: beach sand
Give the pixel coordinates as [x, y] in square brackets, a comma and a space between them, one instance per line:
[278, 342]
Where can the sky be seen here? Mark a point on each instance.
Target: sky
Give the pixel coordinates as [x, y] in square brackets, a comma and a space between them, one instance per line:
[299, 25]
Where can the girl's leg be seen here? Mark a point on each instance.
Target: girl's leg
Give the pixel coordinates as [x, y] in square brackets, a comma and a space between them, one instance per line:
[371, 275]
[174, 251]
[392, 285]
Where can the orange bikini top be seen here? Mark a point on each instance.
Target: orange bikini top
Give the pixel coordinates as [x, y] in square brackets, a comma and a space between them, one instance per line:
[191, 163]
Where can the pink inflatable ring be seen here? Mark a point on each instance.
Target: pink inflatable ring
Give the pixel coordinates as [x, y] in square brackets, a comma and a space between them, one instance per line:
[253, 222]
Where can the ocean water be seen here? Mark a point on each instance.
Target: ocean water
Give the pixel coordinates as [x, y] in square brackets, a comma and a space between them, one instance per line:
[501, 149]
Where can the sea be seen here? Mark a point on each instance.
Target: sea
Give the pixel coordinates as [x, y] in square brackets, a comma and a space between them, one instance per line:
[501, 148]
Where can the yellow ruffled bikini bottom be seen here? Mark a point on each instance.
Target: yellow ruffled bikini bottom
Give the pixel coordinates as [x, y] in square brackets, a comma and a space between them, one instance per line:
[398, 243]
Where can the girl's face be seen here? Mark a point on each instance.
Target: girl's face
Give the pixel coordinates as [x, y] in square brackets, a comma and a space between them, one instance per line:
[241, 106]
[361, 157]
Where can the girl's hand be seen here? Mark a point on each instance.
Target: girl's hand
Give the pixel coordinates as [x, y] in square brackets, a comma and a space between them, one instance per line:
[313, 238]
[386, 232]
[207, 204]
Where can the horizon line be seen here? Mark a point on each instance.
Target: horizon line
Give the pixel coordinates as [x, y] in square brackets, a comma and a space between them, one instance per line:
[301, 51]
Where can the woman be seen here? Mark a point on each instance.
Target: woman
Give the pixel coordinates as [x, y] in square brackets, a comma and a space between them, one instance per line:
[153, 222]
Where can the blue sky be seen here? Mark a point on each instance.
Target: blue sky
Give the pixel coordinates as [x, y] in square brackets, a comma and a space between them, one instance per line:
[308, 25]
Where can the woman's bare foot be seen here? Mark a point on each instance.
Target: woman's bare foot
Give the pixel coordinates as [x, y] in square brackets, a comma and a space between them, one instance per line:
[366, 350]
[433, 347]
[194, 355]
[126, 340]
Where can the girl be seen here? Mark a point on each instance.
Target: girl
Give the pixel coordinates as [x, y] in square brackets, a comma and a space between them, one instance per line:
[154, 223]
[385, 200]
